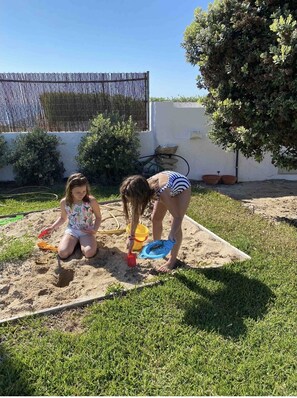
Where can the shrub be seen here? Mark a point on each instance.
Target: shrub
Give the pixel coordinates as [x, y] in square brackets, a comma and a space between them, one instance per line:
[109, 151]
[35, 158]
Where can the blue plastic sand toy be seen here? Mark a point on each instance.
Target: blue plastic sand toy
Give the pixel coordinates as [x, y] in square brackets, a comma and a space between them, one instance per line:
[157, 249]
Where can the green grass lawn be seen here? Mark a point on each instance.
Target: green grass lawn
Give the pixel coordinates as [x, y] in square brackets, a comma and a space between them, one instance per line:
[226, 331]
[27, 199]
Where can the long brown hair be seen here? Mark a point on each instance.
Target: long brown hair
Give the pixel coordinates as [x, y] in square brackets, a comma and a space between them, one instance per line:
[135, 191]
[76, 180]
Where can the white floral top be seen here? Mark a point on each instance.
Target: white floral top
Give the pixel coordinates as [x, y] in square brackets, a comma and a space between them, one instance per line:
[80, 216]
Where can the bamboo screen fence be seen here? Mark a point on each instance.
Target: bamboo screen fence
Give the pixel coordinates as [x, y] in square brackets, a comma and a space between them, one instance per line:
[68, 101]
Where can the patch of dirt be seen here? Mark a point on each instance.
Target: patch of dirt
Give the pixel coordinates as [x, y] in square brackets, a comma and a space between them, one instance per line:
[70, 321]
[273, 199]
[43, 282]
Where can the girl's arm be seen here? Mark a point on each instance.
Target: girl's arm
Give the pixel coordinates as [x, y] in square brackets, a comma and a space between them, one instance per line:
[97, 213]
[60, 220]
[134, 223]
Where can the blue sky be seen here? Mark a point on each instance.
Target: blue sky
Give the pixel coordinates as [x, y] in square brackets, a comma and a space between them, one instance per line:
[101, 36]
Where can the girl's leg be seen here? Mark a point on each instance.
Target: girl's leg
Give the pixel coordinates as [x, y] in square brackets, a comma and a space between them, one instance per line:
[88, 245]
[67, 245]
[181, 202]
[158, 215]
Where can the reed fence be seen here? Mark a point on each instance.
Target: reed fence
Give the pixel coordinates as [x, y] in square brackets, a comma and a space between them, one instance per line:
[68, 101]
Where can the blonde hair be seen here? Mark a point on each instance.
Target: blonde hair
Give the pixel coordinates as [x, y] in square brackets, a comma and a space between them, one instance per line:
[76, 180]
[135, 191]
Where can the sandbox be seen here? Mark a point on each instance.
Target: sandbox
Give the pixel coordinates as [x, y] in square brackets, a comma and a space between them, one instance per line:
[42, 284]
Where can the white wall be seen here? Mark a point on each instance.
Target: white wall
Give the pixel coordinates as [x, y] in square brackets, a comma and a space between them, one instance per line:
[186, 125]
[182, 124]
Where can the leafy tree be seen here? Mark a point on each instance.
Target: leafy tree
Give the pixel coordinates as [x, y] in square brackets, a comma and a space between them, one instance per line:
[35, 158]
[109, 151]
[247, 54]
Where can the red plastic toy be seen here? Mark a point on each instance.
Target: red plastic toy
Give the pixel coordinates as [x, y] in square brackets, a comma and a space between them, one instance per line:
[131, 260]
[43, 233]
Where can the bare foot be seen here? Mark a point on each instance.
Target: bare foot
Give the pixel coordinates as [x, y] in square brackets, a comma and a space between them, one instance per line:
[167, 267]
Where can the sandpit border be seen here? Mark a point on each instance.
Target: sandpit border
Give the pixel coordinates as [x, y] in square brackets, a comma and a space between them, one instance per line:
[85, 302]
[81, 303]
[240, 253]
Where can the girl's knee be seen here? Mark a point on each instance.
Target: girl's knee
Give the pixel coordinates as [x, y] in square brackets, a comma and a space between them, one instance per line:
[89, 252]
[64, 253]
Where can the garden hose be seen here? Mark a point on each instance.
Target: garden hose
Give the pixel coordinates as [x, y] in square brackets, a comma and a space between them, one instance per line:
[111, 231]
[40, 193]
[8, 220]
[15, 217]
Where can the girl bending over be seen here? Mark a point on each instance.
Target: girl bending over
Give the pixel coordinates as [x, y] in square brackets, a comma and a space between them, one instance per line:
[170, 191]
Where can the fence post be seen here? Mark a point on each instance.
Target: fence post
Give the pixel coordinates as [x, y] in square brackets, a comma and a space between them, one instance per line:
[147, 100]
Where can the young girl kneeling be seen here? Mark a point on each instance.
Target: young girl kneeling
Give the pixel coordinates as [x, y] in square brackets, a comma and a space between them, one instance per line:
[84, 217]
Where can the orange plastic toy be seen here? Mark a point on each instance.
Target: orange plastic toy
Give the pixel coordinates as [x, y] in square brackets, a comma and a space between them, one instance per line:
[45, 246]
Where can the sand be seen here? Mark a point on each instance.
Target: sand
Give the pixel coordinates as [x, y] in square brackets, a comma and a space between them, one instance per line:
[275, 200]
[41, 282]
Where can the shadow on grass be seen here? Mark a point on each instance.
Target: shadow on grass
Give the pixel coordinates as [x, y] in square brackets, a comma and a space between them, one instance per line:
[13, 379]
[225, 308]
[290, 221]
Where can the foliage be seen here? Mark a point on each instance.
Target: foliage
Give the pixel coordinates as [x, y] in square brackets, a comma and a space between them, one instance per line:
[13, 248]
[79, 107]
[36, 159]
[2, 151]
[109, 151]
[114, 288]
[247, 55]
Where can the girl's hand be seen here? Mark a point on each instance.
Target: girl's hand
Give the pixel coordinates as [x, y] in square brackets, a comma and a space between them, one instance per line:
[45, 231]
